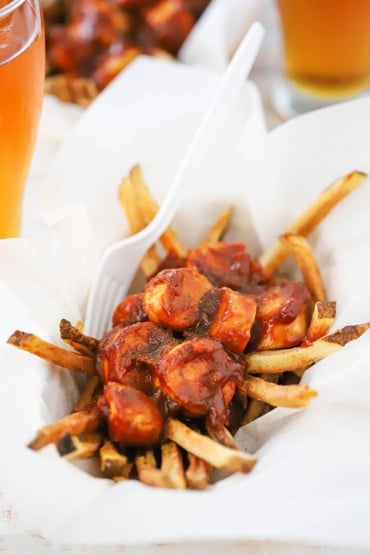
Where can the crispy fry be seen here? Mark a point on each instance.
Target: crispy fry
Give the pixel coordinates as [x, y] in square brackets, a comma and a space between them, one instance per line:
[172, 465]
[149, 208]
[73, 447]
[284, 360]
[204, 447]
[112, 463]
[221, 225]
[312, 216]
[255, 407]
[299, 247]
[56, 355]
[323, 317]
[68, 88]
[292, 396]
[149, 473]
[88, 396]
[199, 473]
[129, 202]
[223, 435]
[71, 335]
[73, 424]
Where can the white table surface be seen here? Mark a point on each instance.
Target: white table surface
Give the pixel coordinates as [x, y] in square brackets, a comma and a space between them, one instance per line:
[15, 536]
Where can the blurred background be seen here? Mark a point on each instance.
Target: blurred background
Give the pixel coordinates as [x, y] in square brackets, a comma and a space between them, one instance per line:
[327, 45]
[90, 41]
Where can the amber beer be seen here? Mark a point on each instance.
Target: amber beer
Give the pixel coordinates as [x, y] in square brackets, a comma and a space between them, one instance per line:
[327, 45]
[22, 71]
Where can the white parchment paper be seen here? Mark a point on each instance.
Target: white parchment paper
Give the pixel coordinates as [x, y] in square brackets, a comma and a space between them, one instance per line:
[218, 32]
[312, 481]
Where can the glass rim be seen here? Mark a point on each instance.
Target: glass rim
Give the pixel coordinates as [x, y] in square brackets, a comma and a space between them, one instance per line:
[9, 8]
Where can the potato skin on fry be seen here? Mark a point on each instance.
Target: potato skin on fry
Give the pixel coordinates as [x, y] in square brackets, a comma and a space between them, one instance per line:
[75, 423]
[285, 360]
[312, 216]
[52, 353]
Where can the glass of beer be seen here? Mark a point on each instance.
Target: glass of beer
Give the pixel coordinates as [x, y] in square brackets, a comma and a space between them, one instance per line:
[326, 48]
[22, 74]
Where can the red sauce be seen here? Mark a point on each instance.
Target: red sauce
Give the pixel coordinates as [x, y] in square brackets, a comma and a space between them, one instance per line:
[194, 373]
[130, 311]
[306, 343]
[229, 265]
[133, 419]
[171, 298]
[127, 355]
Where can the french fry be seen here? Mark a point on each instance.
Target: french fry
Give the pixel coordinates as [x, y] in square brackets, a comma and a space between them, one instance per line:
[284, 360]
[312, 216]
[291, 396]
[172, 465]
[52, 353]
[68, 88]
[255, 407]
[299, 372]
[149, 473]
[88, 396]
[73, 447]
[199, 473]
[322, 319]
[221, 225]
[71, 335]
[222, 435]
[149, 208]
[129, 202]
[204, 447]
[74, 424]
[112, 463]
[299, 247]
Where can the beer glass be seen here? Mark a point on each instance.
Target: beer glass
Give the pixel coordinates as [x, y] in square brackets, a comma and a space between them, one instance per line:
[22, 73]
[326, 48]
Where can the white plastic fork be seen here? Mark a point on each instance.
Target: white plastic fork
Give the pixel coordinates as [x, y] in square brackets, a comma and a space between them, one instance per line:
[114, 275]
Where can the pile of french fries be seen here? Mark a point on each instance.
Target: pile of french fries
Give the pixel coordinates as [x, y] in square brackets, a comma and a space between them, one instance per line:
[187, 457]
